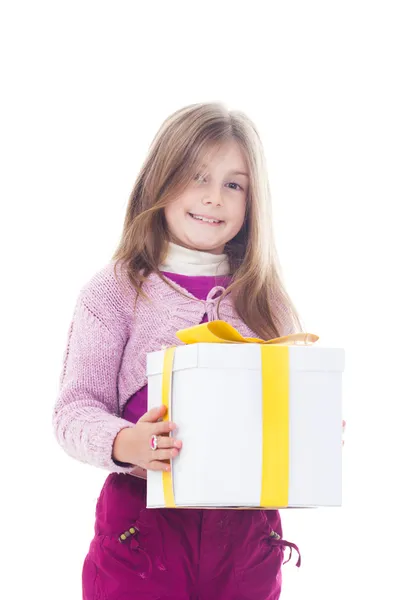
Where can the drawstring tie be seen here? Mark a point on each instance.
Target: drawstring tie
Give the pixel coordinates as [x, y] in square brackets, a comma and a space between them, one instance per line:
[276, 540]
[134, 545]
[211, 302]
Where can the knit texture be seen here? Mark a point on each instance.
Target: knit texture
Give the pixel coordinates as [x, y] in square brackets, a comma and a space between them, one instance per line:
[104, 362]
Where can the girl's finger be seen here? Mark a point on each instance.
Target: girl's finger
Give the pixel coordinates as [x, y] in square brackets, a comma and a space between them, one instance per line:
[156, 465]
[163, 442]
[164, 454]
[164, 427]
[153, 414]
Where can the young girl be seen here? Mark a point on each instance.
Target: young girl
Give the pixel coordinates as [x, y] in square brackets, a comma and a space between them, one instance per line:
[197, 245]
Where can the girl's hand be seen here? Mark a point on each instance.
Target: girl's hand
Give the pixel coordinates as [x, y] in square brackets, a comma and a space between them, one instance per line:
[343, 431]
[132, 444]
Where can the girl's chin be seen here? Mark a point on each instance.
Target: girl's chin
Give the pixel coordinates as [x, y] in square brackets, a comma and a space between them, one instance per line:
[203, 247]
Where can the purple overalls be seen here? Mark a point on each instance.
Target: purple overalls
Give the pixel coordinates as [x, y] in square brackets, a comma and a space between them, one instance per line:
[179, 554]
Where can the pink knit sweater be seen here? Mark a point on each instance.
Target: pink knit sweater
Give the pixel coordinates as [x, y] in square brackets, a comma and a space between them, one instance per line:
[104, 362]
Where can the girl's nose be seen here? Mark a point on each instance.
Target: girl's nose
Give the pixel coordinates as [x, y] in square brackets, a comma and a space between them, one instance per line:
[214, 199]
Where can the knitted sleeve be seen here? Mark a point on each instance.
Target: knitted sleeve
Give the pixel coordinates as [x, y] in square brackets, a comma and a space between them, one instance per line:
[85, 417]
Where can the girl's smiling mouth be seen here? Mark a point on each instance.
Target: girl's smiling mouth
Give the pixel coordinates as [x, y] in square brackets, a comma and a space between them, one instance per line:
[206, 219]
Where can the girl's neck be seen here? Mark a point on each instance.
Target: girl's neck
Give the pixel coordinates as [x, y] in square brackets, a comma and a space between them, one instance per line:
[185, 261]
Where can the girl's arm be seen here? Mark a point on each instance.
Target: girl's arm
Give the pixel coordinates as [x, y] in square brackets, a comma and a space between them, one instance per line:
[85, 418]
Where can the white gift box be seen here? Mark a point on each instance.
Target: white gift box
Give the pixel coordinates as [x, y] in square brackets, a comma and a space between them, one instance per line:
[250, 439]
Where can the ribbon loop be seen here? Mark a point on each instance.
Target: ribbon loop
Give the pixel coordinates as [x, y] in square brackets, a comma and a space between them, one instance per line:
[220, 332]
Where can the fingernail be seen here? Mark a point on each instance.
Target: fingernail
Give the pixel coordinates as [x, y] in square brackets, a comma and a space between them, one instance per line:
[177, 444]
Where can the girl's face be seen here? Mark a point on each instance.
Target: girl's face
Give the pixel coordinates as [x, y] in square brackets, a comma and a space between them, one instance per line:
[211, 210]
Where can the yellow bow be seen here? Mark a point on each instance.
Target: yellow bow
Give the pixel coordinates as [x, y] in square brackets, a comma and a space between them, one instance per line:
[220, 332]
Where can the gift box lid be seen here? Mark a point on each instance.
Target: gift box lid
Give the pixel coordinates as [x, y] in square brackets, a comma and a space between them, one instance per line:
[245, 357]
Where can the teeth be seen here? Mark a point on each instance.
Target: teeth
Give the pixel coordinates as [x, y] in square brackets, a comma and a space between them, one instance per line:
[204, 219]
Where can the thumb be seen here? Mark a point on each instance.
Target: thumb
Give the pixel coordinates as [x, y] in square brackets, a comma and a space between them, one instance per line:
[153, 414]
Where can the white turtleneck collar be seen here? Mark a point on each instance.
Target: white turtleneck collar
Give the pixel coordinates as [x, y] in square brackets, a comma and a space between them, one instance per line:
[185, 261]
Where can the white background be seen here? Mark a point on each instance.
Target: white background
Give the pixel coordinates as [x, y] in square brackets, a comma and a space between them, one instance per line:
[85, 85]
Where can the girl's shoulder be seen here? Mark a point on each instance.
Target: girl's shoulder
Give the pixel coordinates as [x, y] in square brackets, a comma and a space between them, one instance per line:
[107, 283]
[108, 294]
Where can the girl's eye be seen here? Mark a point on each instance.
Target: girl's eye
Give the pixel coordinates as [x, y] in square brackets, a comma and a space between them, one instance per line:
[237, 186]
[201, 178]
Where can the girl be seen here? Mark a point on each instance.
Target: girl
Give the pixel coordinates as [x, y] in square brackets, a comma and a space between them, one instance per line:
[197, 244]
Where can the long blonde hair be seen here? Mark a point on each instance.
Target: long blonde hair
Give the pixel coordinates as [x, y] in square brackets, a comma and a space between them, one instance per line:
[259, 294]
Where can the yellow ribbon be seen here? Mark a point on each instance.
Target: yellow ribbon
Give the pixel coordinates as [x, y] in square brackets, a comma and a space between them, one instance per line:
[166, 393]
[223, 333]
[275, 403]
